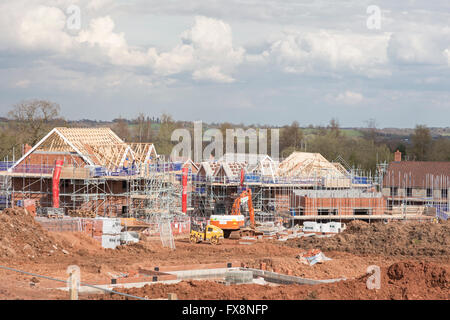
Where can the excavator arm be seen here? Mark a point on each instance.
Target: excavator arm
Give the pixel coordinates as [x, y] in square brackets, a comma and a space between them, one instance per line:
[236, 210]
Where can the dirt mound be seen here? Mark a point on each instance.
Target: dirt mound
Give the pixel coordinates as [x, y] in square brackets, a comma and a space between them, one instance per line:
[402, 281]
[22, 237]
[421, 274]
[357, 226]
[395, 239]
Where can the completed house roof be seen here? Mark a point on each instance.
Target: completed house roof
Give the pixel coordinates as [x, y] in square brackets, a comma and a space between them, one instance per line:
[416, 174]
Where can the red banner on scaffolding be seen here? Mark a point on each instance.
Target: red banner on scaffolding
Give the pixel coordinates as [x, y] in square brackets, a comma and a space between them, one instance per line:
[55, 189]
[184, 194]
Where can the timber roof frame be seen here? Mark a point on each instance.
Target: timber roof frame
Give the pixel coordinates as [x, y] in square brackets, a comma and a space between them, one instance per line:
[96, 146]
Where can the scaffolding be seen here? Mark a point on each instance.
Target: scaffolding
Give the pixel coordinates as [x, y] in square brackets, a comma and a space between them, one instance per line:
[302, 186]
[349, 194]
[407, 194]
[5, 191]
[154, 192]
[144, 190]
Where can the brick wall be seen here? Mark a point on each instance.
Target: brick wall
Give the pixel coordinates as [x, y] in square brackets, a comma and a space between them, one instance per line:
[344, 206]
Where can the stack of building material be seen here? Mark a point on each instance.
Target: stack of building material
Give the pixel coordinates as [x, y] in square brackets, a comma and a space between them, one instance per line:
[50, 212]
[29, 205]
[270, 230]
[81, 213]
[312, 257]
[323, 228]
[129, 237]
[107, 232]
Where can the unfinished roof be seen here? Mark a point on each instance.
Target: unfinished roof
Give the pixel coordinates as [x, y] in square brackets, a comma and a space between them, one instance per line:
[416, 174]
[96, 146]
[208, 168]
[305, 164]
[230, 169]
[251, 158]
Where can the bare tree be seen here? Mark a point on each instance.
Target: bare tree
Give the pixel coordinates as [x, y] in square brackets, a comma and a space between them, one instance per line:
[34, 118]
[143, 130]
[371, 132]
[334, 127]
[121, 129]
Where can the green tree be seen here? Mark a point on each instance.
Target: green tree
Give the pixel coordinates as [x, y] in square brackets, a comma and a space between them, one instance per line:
[291, 138]
[440, 150]
[164, 144]
[421, 142]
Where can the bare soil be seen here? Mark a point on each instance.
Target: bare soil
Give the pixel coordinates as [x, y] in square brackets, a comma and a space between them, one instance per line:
[399, 239]
[414, 259]
[403, 280]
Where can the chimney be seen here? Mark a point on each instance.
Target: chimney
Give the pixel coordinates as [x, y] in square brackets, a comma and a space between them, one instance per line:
[26, 148]
[398, 156]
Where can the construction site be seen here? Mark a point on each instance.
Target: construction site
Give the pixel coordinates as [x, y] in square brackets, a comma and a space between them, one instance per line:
[137, 225]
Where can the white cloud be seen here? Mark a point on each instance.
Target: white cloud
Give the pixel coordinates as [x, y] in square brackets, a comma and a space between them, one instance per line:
[349, 98]
[98, 4]
[447, 55]
[326, 51]
[115, 55]
[101, 33]
[32, 26]
[413, 48]
[206, 50]
[22, 83]
[212, 73]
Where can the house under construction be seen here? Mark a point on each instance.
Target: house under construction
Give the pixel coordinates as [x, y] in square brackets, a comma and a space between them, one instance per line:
[302, 186]
[100, 174]
[91, 171]
[417, 186]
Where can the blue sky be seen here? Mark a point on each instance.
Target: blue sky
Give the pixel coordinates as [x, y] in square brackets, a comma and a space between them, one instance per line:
[266, 62]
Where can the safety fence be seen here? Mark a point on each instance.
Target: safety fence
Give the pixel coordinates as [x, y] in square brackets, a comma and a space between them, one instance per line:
[179, 226]
[96, 171]
[442, 215]
[93, 227]
[5, 165]
[34, 168]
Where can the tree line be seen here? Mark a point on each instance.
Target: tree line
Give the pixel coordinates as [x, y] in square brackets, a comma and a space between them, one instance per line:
[29, 121]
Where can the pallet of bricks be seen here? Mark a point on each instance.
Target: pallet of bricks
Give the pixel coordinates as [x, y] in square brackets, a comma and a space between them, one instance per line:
[104, 230]
[83, 213]
[49, 212]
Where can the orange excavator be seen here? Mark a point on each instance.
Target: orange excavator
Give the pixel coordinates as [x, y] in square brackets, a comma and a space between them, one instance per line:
[233, 225]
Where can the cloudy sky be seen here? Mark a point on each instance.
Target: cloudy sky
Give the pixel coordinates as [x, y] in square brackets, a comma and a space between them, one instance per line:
[250, 61]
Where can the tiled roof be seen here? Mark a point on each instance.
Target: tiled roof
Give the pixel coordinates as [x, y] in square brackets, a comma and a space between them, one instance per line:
[416, 174]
